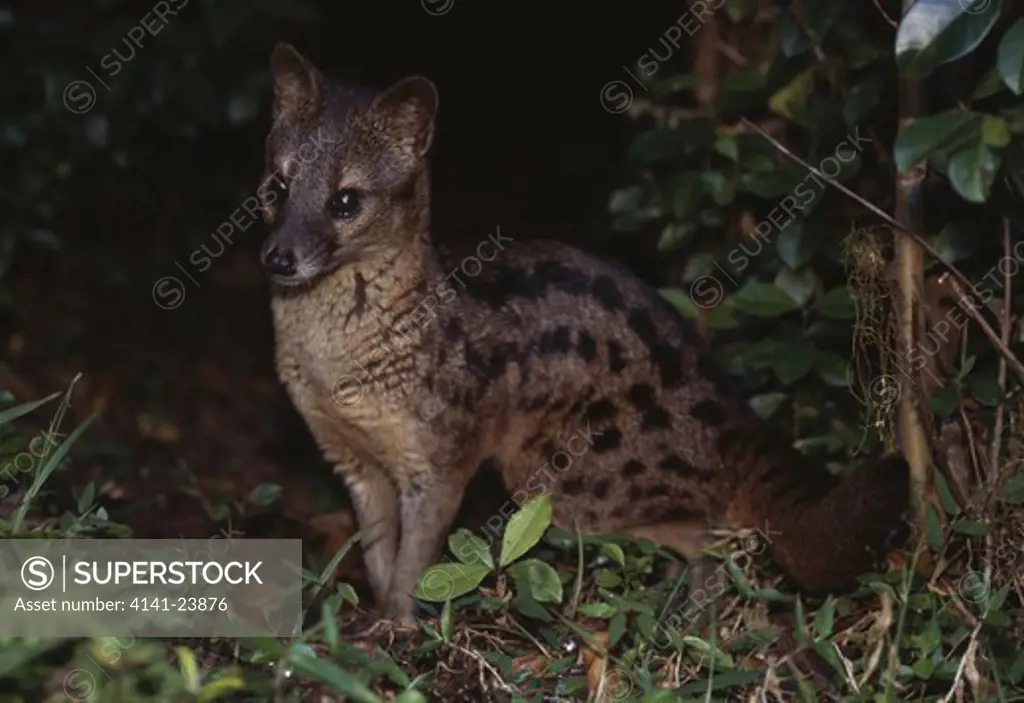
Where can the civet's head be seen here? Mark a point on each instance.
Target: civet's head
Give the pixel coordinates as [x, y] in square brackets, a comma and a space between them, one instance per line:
[345, 170]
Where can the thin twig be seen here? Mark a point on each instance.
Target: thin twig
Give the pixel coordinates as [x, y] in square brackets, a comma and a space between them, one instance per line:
[1004, 350]
[892, 23]
[997, 438]
[971, 647]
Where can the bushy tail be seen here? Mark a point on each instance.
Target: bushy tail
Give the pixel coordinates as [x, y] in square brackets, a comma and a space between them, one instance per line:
[823, 532]
[830, 536]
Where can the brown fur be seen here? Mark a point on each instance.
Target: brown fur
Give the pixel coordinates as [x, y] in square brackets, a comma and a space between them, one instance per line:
[566, 372]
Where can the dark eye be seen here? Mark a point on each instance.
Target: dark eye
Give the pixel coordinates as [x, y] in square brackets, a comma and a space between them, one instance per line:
[344, 204]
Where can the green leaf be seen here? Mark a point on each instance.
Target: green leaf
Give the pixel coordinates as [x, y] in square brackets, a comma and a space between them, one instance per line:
[990, 84]
[412, 696]
[670, 143]
[995, 131]
[766, 404]
[837, 304]
[265, 494]
[525, 528]
[924, 668]
[791, 101]
[52, 462]
[614, 552]
[88, 496]
[943, 132]
[722, 659]
[720, 681]
[792, 39]
[832, 369]
[790, 368]
[972, 170]
[796, 244]
[606, 578]
[861, 101]
[825, 618]
[332, 637]
[11, 414]
[227, 683]
[443, 582]
[1010, 60]
[971, 528]
[1013, 489]
[798, 285]
[675, 235]
[540, 578]
[985, 389]
[944, 400]
[331, 675]
[616, 628]
[946, 498]
[934, 32]
[598, 610]
[763, 299]
[525, 604]
[956, 241]
[682, 302]
[470, 548]
[447, 621]
[189, 668]
[933, 529]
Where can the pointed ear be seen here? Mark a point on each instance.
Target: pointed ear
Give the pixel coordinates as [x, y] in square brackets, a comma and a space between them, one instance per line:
[405, 113]
[298, 85]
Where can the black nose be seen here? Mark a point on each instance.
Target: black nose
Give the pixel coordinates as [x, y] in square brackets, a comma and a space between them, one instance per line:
[280, 262]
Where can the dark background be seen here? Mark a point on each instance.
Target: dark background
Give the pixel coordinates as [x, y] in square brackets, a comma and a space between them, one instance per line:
[101, 205]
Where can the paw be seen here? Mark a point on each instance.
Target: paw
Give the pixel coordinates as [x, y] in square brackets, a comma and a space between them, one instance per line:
[401, 611]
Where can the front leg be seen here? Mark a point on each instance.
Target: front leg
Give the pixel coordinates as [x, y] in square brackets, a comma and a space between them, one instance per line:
[430, 501]
[376, 502]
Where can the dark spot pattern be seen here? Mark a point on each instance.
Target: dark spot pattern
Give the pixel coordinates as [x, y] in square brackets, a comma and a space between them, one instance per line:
[607, 293]
[616, 359]
[557, 341]
[657, 418]
[599, 411]
[710, 412]
[635, 493]
[673, 463]
[652, 415]
[607, 440]
[557, 275]
[666, 357]
[452, 329]
[486, 368]
[359, 295]
[641, 396]
[587, 346]
[657, 490]
[538, 403]
[504, 282]
[572, 486]
[633, 468]
[679, 514]
[601, 488]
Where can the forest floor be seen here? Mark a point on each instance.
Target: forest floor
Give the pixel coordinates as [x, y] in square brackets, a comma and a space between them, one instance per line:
[194, 437]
